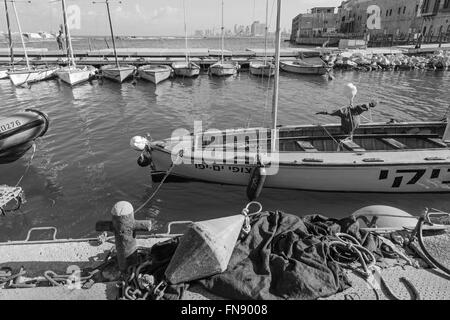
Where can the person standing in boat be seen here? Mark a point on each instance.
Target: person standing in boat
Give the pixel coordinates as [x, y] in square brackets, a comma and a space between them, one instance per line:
[59, 40]
[350, 116]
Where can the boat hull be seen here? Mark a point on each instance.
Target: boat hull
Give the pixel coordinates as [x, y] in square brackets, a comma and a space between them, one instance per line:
[4, 73]
[75, 76]
[313, 70]
[223, 69]
[18, 132]
[389, 170]
[189, 70]
[155, 74]
[117, 74]
[24, 76]
[261, 69]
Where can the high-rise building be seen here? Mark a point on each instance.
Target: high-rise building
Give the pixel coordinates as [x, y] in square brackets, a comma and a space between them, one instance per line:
[258, 29]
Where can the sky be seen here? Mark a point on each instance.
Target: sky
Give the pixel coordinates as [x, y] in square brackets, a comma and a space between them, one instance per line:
[152, 17]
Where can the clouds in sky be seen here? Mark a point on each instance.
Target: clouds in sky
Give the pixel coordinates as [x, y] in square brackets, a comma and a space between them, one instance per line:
[156, 17]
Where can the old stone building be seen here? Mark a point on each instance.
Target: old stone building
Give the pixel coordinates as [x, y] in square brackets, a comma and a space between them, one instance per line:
[436, 20]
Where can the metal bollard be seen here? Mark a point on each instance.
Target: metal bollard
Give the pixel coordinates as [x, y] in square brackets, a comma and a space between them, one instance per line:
[124, 227]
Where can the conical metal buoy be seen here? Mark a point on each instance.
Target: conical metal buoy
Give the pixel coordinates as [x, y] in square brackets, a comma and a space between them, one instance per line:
[205, 249]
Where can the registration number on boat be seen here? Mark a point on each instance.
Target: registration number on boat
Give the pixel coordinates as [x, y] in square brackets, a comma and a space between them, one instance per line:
[10, 125]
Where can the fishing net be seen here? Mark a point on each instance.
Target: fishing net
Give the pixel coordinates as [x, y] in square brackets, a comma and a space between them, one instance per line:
[11, 199]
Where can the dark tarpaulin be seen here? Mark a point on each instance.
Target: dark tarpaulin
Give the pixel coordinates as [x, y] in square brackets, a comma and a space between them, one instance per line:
[283, 257]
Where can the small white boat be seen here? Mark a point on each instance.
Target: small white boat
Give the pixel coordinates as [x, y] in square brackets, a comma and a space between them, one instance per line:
[186, 69]
[76, 75]
[23, 76]
[72, 74]
[262, 68]
[4, 72]
[303, 67]
[155, 74]
[224, 68]
[117, 73]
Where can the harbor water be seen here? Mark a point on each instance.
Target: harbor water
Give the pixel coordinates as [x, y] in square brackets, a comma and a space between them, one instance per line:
[84, 164]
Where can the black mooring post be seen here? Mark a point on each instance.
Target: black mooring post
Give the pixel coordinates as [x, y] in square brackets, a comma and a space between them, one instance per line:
[124, 227]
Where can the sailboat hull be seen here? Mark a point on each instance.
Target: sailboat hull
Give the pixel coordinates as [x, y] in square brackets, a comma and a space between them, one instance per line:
[223, 69]
[24, 76]
[3, 73]
[303, 69]
[185, 69]
[75, 76]
[422, 169]
[118, 74]
[262, 69]
[155, 74]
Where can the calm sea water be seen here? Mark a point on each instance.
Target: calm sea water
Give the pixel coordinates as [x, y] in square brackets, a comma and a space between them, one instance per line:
[84, 163]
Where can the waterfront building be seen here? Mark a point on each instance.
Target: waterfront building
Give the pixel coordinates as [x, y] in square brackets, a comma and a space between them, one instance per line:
[436, 20]
[258, 29]
[319, 22]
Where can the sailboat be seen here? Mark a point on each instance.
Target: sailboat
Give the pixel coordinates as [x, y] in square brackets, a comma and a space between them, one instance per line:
[116, 72]
[391, 157]
[263, 68]
[222, 67]
[28, 75]
[72, 74]
[186, 68]
[155, 73]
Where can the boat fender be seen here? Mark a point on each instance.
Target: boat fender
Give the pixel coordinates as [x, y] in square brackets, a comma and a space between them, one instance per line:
[256, 182]
[144, 159]
[138, 143]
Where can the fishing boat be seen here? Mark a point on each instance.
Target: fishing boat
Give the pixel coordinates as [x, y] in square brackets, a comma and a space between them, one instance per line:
[222, 67]
[156, 73]
[19, 131]
[263, 67]
[28, 75]
[72, 74]
[304, 67]
[116, 72]
[186, 68]
[391, 157]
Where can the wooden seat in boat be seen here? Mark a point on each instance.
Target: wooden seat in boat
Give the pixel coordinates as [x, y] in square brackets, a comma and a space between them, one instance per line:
[352, 146]
[393, 143]
[438, 142]
[306, 146]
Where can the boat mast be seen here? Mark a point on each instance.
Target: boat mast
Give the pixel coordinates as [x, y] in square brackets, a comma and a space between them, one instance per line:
[21, 36]
[266, 31]
[112, 33]
[222, 32]
[11, 53]
[276, 80]
[69, 39]
[185, 32]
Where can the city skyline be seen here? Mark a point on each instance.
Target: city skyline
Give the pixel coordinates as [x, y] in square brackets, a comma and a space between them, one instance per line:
[155, 18]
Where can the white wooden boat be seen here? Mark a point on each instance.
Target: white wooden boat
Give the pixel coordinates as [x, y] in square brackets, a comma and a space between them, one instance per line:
[4, 72]
[186, 69]
[155, 73]
[383, 157]
[262, 68]
[72, 74]
[29, 74]
[76, 75]
[302, 67]
[117, 73]
[222, 68]
[23, 76]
